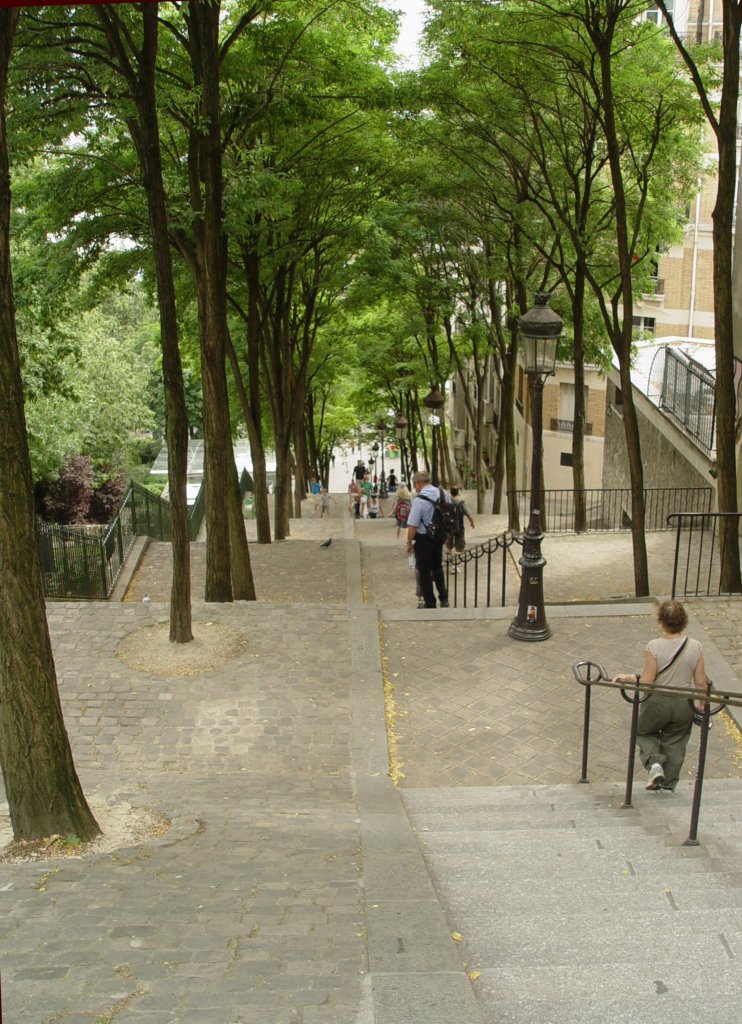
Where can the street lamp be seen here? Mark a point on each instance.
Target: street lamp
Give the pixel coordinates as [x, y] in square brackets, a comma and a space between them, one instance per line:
[401, 427]
[434, 402]
[540, 329]
[375, 450]
[381, 428]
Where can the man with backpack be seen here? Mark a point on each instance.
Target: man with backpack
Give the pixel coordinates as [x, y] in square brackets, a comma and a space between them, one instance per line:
[431, 521]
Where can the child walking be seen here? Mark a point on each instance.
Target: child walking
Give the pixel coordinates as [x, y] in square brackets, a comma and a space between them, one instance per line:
[324, 502]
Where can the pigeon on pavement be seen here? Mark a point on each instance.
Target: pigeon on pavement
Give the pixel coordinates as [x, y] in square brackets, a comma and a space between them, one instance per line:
[326, 543]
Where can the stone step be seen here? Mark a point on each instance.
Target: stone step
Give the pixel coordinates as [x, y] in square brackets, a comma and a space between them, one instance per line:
[715, 792]
[549, 895]
[658, 990]
[593, 937]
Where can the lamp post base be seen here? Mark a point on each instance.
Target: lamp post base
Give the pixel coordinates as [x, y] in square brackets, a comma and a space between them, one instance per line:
[523, 631]
[530, 622]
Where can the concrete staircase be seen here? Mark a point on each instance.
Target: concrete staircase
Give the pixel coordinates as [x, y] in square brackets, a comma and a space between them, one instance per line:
[576, 911]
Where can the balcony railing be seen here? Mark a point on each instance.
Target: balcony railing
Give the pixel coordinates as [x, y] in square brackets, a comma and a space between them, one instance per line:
[567, 426]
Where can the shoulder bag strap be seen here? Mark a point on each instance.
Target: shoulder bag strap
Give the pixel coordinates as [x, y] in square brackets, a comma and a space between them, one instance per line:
[673, 659]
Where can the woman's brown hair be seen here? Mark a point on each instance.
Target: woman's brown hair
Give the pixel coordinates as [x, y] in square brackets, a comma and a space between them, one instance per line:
[672, 616]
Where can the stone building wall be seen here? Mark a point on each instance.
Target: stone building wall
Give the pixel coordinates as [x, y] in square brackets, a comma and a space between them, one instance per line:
[668, 457]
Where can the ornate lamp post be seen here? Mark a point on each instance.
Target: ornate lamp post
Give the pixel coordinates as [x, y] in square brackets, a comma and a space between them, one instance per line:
[401, 427]
[540, 329]
[374, 459]
[434, 402]
[381, 428]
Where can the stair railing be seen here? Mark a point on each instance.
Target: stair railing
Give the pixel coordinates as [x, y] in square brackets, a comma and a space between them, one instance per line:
[590, 673]
[462, 568]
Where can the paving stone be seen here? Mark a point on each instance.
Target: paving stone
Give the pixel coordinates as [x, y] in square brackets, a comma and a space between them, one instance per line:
[290, 860]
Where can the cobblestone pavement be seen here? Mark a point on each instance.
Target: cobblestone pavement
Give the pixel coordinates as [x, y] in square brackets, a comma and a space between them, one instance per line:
[292, 572]
[249, 909]
[289, 888]
[474, 707]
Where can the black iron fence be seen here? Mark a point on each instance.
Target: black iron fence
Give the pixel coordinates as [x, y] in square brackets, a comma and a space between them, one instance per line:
[609, 510]
[83, 563]
[701, 550]
[474, 575]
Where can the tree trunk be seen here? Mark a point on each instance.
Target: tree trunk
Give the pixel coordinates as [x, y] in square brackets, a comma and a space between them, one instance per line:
[41, 785]
[227, 555]
[260, 486]
[282, 492]
[578, 428]
[145, 134]
[257, 448]
[621, 336]
[243, 584]
[723, 218]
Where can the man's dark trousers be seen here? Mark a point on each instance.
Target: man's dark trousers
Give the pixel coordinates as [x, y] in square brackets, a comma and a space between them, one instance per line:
[429, 562]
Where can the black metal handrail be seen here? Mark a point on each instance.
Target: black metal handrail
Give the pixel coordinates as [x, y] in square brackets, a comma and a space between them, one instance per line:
[699, 552]
[608, 510]
[590, 673]
[464, 568]
[85, 562]
[73, 563]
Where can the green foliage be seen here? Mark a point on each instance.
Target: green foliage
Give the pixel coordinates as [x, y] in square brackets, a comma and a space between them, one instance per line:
[95, 402]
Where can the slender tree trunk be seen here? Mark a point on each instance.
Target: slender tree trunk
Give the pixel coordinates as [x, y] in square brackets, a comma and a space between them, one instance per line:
[146, 137]
[256, 444]
[262, 513]
[578, 429]
[622, 341]
[41, 785]
[243, 584]
[723, 219]
[282, 492]
[227, 555]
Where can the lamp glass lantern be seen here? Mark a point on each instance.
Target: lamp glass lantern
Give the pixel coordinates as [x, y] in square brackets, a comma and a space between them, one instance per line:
[434, 402]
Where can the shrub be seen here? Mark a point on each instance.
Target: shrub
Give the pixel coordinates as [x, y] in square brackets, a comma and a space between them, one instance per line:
[67, 500]
[106, 498]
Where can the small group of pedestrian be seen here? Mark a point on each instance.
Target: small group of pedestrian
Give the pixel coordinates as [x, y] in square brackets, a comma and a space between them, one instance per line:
[321, 498]
[363, 495]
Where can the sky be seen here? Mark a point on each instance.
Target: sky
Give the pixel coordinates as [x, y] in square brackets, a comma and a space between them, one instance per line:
[410, 27]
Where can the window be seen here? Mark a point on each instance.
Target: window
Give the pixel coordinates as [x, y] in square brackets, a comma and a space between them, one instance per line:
[567, 401]
[644, 324]
[655, 15]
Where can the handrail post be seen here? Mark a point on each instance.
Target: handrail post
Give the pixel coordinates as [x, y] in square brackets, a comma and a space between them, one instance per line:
[586, 728]
[692, 839]
[632, 749]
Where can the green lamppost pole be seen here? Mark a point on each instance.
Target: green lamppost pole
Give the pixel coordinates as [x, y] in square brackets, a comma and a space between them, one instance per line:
[540, 329]
[401, 426]
[434, 403]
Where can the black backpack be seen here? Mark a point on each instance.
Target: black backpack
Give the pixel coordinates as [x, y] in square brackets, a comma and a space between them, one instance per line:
[443, 524]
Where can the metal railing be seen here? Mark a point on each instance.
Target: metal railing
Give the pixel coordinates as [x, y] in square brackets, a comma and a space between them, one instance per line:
[471, 574]
[567, 426]
[590, 673]
[73, 563]
[85, 562]
[689, 398]
[609, 510]
[699, 552]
